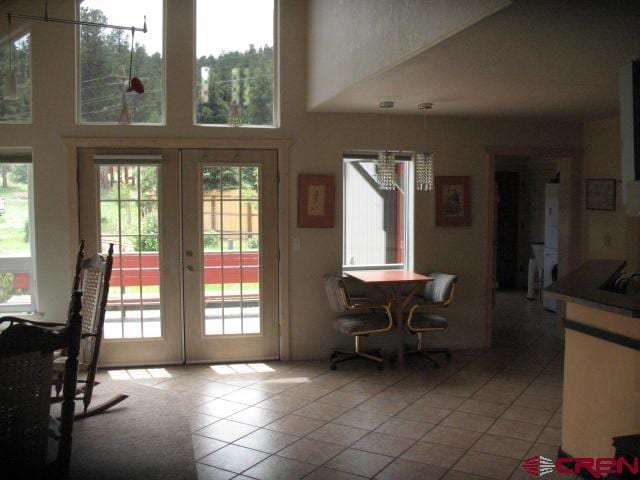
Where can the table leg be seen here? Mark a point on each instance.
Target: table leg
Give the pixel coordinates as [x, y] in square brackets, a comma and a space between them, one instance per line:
[399, 333]
[397, 307]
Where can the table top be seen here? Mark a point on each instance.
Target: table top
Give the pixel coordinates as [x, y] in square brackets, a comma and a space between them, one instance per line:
[388, 276]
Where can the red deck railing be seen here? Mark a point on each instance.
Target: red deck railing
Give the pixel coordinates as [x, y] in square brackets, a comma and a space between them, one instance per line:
[144, 269]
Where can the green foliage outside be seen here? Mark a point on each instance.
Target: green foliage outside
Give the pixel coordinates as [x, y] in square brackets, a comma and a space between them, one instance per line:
[245, 78]
[230, 178]
[6, 286]
[19, 109]
[104, 72]
[242, 77]
[14, 222]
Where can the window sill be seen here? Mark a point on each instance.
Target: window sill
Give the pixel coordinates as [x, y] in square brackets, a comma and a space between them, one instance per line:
[36, 317]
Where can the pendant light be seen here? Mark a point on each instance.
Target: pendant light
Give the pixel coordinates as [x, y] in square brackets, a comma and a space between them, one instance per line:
[386, 162]
[10, 87]
[424, 160]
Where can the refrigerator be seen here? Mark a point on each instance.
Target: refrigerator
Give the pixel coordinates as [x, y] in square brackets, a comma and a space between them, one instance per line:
[551, 221]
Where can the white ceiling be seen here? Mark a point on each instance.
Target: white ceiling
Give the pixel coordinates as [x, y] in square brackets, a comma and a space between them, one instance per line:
[556, 58]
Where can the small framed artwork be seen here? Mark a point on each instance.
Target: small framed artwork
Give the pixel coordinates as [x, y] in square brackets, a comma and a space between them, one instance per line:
[453, 201]
[316, 201]
[601, 194]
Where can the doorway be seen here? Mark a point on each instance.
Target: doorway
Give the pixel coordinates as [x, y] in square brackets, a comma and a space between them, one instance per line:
[507, 226]
[195, 233]
[558, 170]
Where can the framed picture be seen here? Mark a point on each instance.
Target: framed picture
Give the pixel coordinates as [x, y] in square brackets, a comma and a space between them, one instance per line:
[316, 201]
[601, 194]
[453, 201]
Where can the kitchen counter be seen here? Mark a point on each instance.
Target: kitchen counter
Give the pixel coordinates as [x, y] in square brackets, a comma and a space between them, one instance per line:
[601, 387]
[585, 286]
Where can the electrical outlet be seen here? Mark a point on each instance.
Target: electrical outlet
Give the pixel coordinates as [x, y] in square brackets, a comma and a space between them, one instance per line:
[296, 244]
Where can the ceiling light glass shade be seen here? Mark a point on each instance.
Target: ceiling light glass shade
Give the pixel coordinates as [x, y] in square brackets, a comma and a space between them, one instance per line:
[424, 172]
[386, 170]
[10, 86]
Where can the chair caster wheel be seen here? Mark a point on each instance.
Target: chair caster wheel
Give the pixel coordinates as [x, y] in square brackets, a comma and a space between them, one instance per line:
[332, 367]
[380, 367]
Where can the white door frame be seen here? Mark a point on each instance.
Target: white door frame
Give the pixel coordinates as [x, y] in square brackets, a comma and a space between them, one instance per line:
[281, 145]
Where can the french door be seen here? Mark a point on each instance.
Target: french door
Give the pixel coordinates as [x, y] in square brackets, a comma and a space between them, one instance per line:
[195, 273]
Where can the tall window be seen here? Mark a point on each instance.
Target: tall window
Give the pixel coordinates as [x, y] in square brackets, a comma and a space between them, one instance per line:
[377, 223]
[104, 62]
[235, 62]
[15, 107]
[17, 265]
[129, 219]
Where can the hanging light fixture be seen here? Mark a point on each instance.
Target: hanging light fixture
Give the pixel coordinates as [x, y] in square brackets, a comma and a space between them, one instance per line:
[386, 162]
[424, 160]
[10, 83]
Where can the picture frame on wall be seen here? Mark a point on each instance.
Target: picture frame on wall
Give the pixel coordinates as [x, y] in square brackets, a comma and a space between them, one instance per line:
[316, 201]
[601, 194]
[453, 201]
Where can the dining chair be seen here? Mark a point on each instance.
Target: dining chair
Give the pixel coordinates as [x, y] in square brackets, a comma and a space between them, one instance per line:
[421, 319]
[356, 320]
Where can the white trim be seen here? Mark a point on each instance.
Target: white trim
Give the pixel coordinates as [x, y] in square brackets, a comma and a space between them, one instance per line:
[281, 145]
[16, 264]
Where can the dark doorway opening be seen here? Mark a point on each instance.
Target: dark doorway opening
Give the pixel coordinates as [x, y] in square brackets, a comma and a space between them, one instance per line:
[507, 186]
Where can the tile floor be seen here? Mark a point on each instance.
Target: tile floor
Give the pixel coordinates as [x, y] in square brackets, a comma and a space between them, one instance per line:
[475, 418]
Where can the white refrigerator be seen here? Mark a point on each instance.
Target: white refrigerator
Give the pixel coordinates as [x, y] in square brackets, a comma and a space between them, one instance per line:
[552, 219]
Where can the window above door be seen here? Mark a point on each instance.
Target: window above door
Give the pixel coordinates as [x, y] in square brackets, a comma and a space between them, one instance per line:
[236, 63]
[104, 59]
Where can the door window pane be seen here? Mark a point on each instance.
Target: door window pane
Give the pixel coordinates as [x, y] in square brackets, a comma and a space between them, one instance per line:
[17, 272]
[235, 61]
[104, 62]
[231, 250]
[133, 308]
[16, 108]
[375, 220]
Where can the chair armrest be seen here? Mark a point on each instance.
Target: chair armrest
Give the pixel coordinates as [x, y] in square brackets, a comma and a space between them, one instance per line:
[424, 305]
[23, 321]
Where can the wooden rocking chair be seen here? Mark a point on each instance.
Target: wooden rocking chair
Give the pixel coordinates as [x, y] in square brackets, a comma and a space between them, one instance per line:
[93, 275]
[95, 279]
[26, 354]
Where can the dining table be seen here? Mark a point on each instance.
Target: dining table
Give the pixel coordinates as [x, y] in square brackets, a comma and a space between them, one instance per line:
[399, 288]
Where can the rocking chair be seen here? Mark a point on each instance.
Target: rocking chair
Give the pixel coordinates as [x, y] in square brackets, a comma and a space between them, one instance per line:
[26, 353]
[95, 275]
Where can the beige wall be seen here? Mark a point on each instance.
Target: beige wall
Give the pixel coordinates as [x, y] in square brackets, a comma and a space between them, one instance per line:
[318, 142]
[351, 41]
[607, 234]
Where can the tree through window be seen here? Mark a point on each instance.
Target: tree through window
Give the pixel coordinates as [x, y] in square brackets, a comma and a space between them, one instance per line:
[235, 61]
[104, 62]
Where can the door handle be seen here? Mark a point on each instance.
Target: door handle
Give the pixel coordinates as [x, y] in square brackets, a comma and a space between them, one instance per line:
[190, 268]
[189, 253]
